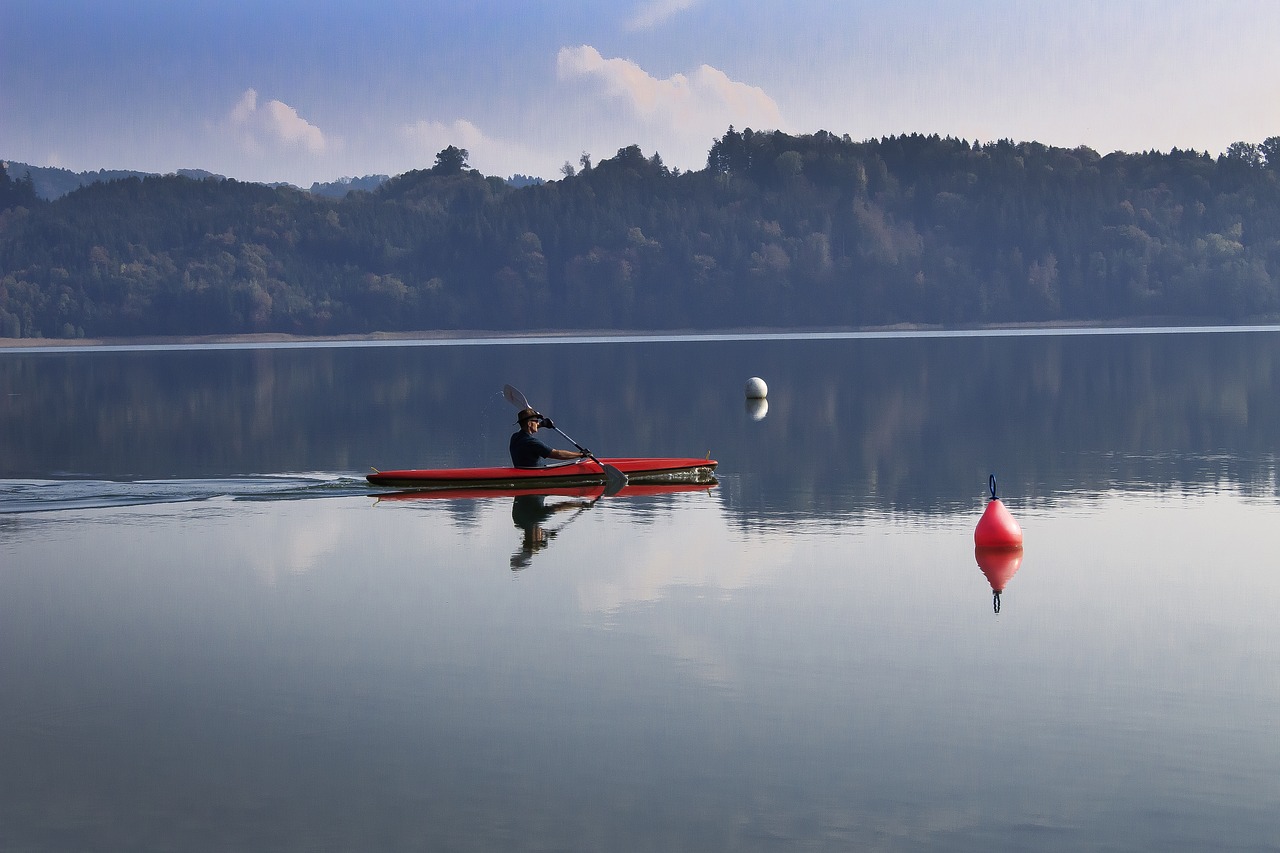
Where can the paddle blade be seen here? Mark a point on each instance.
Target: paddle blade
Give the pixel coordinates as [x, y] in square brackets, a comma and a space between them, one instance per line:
[515, 398]
[614, 480]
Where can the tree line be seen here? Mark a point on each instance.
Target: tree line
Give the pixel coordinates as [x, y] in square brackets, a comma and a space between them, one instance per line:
[777, 230]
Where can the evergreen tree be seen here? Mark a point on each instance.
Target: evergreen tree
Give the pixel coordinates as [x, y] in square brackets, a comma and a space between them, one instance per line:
[19, 193]
[451, 161]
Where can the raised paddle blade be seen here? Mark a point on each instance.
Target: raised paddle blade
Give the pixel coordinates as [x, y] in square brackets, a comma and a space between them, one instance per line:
[515, 398]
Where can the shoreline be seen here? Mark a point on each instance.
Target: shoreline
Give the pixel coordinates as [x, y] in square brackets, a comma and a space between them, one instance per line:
[249, 340]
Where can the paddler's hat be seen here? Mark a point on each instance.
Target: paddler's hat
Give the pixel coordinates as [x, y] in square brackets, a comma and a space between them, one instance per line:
[525, 414]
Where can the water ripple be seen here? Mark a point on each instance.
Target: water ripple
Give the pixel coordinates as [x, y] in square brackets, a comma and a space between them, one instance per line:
[21, 496]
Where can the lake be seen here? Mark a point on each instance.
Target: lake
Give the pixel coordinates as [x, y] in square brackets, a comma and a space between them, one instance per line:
[214, 635]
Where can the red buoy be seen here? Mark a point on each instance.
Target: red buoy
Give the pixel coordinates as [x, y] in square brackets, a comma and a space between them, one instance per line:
[997, 528]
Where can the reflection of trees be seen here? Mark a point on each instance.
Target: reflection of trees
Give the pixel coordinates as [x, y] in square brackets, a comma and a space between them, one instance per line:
[216, 413]
[894, 424]
[917, 425]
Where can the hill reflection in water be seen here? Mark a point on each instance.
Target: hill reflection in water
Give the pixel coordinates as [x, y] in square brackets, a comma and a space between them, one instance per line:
[881, 424]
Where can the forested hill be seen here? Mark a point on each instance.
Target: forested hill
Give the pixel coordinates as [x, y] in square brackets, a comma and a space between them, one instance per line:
[777, 230]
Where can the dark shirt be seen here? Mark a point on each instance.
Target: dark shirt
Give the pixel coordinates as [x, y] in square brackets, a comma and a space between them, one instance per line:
[527, 451]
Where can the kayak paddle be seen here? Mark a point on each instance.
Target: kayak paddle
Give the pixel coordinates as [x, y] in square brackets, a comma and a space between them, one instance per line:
[614, 480]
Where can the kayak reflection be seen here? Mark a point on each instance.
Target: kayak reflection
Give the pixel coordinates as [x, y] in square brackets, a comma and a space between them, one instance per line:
[530, 513]
[531, 509]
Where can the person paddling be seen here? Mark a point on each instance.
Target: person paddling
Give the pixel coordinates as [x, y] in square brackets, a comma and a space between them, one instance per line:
[528, 451]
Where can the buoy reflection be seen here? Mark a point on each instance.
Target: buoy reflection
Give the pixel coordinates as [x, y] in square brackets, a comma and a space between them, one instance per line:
[757, 408]
[999, 565]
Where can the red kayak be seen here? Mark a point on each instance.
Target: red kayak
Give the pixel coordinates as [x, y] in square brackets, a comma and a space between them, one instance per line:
[579, 472]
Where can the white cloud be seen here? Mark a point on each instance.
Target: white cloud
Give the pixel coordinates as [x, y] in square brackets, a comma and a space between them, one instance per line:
[245, 108]
[274, 125]
[656, 12]
[706, 98]
[433, 136]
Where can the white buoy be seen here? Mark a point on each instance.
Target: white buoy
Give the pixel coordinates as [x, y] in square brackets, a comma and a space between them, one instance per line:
[756, 389]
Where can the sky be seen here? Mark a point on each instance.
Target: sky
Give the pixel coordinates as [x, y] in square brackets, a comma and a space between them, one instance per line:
[283, 90]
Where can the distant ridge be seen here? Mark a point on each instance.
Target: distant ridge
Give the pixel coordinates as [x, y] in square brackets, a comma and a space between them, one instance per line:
[52, 182]
[519, 181]
[342, 186]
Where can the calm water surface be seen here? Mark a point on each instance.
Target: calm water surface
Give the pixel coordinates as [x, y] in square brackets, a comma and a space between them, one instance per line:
[215, 636]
